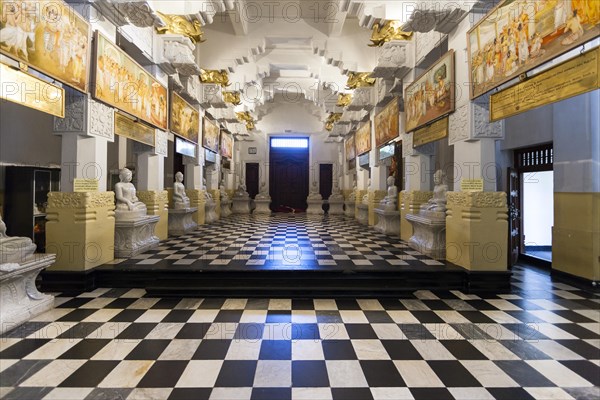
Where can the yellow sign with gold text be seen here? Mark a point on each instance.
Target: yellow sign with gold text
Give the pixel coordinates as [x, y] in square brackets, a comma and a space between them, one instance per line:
[85, 185]
[436, 131]
[137, 131]
[471, 185]
[570, 78]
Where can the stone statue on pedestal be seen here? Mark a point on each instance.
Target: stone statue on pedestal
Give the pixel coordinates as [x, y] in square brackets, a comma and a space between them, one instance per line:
[180, 198]
[224, 195]
[390, 202]
[438, 201]
[14, 249]
[352, 196]
[207, 196]
[128, 205]
[241, 191]
[314, 192]
[264, 193]
[336, 193]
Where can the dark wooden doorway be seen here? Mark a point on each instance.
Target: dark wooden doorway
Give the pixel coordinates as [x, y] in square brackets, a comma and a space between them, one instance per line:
[288, 177]
[325, 182]
[252, 179]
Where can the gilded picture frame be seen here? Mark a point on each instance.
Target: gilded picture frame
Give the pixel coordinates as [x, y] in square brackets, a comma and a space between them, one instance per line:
[226, 145]
[48, 36]
[431, 96]
[122, 83]
[387, 123]
[184, 119]
[350, 148]
[210, 135]
[362, 139]
[516, 36]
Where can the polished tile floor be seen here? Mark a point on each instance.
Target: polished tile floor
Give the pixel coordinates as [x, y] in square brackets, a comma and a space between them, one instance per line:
[542, 341]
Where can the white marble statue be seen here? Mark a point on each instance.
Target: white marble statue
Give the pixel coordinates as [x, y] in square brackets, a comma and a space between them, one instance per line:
[336, 193]
[264, 193]
[314, 192]
[352, 196]
[180, 198]
[14, 249]
[224, 195]
[438, 201]
[390, 202]
[365, 199]
[207, 195]
[241, 191]
[128, 205]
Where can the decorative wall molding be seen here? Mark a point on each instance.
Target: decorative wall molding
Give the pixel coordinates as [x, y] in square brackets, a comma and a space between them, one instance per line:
[101, 121]
[482, 127]
[425, 42]
[179, 51]
[415, 196]
[460, 125]
[395, 60]
[161, 143]
[59, 200]
[75, 120]
[151, 197]
[477, 199]
[86, 117]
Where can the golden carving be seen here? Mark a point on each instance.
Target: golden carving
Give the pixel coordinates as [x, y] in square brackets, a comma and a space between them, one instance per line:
[344, 99]
[415, 196]
[180, 25]
[232, 98]
[392, 30]
[431, 133]
[360, 79]
[152, 197]
[219, 77]
[59, 200]
[248, 119]
[477, 199]
[331, 120]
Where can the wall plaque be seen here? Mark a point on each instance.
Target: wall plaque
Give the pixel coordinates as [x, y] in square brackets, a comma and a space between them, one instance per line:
[471, 185]
[436, 131]
[134, 130]
[85, 185]
[570, 78]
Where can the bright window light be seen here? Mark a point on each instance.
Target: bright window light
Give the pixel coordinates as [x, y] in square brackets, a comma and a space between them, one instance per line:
[296, 143]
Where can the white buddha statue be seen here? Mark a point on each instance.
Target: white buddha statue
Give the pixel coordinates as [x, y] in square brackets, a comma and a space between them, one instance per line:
[352, 196]
[314, 192]
[241, 191]
[438, 201]
[180, 198]
[224, 195]
[390, 202]
[264, 192]
[336, 194]
[128, 205]
[365, 199]
[207, 196]
[14, 249]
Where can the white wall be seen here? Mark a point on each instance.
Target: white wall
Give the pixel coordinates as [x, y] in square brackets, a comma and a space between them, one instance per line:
[538, 208]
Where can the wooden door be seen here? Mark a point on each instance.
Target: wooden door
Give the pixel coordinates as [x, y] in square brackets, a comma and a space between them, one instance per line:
[325, 182]
[252, 179]
[514, 216]
[289, 178]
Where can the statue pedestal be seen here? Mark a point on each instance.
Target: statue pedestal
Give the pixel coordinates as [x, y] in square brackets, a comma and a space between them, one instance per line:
[181, 221]
[21, 301]
[363, 214]
[241, 205]
[388, 222]
[429, 234]
[225, 208]
[210, 215]
[315, 207]
[336, 206]
[262, 206]
[133, 237]
[349, 206]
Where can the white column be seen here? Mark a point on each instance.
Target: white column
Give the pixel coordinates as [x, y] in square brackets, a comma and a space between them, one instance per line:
[83, 158]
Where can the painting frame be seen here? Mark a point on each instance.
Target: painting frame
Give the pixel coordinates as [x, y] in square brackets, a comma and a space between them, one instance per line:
[537, 53]
[363, 142]
[130, 87]
[226, 145]
[350, 148]
[82, 31]
[435, 100]
[210, 135]
[179, 110]
[387, 123]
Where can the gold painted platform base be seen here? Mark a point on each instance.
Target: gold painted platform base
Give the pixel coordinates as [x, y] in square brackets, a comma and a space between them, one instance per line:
[197, 200]
[375, 198]
[410, 203]
[157, 203]
[477, 230]
[80, 229]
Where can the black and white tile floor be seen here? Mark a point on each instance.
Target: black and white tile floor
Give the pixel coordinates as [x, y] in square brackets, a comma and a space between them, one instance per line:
[541, 341]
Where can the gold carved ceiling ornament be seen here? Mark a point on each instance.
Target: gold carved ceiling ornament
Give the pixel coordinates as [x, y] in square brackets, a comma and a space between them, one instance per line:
[344, 99]
[331, 120]
[232, 98]
[248, 119]
[360, 79]
[219, 77]
[181, 25]
[391, 30]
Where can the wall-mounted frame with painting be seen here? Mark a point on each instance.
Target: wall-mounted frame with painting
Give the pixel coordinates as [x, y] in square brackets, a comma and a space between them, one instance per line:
[122, 83]
[518, 35]
[350, 149]
[387, 123]
[184, 119]
[210, 135]
[431, 95]
[49, 36]
[363, 139]
[226, 145]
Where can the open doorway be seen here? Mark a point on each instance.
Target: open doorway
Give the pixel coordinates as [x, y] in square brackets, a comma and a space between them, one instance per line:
[289, 158]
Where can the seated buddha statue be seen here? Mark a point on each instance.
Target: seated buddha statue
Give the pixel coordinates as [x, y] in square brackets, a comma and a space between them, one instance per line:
[207, 195]
[390, 202]
[438, 201]
[128, 205]
[180, 198]
[224, 195]
[241, 191]
[14, 249]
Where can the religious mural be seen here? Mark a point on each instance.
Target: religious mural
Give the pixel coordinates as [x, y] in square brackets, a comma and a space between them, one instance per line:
[184, 119]
[387, 123]
[210, 135]
[226, 145]
[350, 149]
[363, 139]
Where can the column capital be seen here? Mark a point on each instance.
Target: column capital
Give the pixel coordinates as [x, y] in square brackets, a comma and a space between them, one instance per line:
[86, 117]
[470, 122]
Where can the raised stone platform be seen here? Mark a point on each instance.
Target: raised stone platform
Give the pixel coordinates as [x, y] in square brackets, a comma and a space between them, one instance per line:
[315, 207]
[133, 237]
[429, 235]
[241, 205]
[262, 206]
[181, 221]
[210, 215]
[388, 222]
[349, 206]
[21, 300]
[336, 207]
[225, 208]
[363, 214]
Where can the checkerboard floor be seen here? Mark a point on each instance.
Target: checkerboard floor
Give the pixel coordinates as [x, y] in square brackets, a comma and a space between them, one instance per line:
[541, 341]
[286, 241]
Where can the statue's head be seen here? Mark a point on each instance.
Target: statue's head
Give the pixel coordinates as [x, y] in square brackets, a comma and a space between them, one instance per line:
[125, 175]
[179, 177]
[438, 177]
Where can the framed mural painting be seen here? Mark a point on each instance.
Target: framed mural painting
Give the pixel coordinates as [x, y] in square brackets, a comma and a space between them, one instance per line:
[363, 139]
[48, 36]
[387, 123]
[350, 149]
[210, 135]
[226, 145]
[519, 35]
[431, 95]
[184, 119]
[122, 83]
